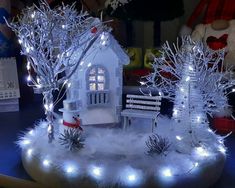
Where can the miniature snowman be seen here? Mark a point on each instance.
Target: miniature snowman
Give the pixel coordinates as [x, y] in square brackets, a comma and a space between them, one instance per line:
[71, 117]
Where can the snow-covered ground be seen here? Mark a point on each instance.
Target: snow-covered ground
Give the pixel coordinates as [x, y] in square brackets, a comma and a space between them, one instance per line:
[113, 156]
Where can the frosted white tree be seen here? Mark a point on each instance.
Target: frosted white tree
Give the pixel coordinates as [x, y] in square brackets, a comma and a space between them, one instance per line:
[49, 38]
[193, 77]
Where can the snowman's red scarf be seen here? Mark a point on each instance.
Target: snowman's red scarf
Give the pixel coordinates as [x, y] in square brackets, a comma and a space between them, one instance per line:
[72, 125]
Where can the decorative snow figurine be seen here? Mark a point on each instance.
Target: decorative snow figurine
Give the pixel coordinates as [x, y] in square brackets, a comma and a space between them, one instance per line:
[77, 56]
[71, 115]
[198, 86]
[97, 82]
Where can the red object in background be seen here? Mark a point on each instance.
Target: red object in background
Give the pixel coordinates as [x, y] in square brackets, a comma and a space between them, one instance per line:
[212, 10]
[140, 72]
[217, 43]
[94, 29]
[223, 124]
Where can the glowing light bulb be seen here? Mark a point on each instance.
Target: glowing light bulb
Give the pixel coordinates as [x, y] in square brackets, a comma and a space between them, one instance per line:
[166, 172]
[26, 142]
[97, 171]
[51, 106]
[221, 141]
[175, 112]
[190, 67]
[198, 118]
[63, 26]
[82, 62]
[89, 64]
[70, 169]
[187, 79]
[20, 41]
[103, 43]
[28, 66]
[33, 15]
[39, 86]
[49, 128]
[182, 89]
[69, 85]
[102, 36]
[196, 164]
[132, 177]
[29, 152]
[202, 152]
[233, 90]
[178, 137]
[222, 149]
[46, 106]
[209, 130]
[29, 78]
[31, 132]
[27, 50]
[46, 162]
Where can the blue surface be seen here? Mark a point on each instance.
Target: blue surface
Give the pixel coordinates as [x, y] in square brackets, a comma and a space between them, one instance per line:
[3, 13]
[11, 126]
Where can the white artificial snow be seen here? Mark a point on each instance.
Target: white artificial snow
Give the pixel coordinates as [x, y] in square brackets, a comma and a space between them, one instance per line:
[114, 155]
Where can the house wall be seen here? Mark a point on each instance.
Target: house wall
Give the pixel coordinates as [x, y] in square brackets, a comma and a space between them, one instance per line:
[99, 115]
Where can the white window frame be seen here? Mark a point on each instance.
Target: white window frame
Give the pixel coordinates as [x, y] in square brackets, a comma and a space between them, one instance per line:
[97, 96]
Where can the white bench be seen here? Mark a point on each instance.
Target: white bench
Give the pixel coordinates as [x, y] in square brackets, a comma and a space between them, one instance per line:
[141, 106]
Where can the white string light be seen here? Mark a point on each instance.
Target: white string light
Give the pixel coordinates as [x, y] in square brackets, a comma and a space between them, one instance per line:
[31, 132]
[187, 79]
[175, 112]
[222, 149]
[178, 137]
[29, 152]
[48, 64]
[200, 151]
[29, 78]
[26, 142]
[27, 49]
[20, 41]
[166, 172]
[33, 15]
[46, 163]
[190, 68]
[198, 119]
[96, 172]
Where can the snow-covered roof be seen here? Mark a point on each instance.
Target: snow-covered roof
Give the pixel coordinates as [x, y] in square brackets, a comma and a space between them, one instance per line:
[105, 40]
[118, 50]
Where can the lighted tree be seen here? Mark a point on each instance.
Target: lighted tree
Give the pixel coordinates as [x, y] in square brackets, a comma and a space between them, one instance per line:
[49, 39]
[193, 77]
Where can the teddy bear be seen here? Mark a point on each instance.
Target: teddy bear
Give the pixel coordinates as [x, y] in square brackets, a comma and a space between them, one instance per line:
[220, 34]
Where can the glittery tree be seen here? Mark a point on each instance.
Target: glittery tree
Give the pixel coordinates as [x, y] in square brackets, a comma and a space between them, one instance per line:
[49, 38]
[193, 77]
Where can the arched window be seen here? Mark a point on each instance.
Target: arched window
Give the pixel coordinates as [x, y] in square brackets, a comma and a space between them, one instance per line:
[97, 85]
[97, 78]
